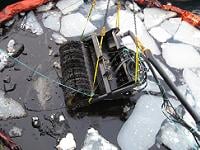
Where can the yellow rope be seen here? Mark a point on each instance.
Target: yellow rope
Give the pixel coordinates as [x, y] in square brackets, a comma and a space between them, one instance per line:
[118, 14]
[88, 17]
[137, 69]
[102, 34]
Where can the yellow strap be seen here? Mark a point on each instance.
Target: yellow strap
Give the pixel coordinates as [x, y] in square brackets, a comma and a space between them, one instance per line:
[118, 14]
[102, 33]
[137, 64]
[88, 17]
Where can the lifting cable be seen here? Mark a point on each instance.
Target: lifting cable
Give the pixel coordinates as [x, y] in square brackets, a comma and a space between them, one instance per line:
[88, 17]
[102, 34]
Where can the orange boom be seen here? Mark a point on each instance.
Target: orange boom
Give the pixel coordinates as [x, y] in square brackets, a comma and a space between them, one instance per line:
[184, 14]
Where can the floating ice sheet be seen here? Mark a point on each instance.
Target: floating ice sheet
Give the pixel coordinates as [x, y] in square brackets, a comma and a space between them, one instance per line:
[180, 55]
[140, 130]
[30, 22]
[67, 6]
[188, 34]
[51, 20]
[59, 39]
[171, 25]
[10, 108]
[94, 141]
[155, 16]
[127, 23]
[72, 25]
[160, 34]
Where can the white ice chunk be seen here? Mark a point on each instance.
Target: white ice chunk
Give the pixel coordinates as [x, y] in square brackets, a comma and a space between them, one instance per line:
[188, 34]
[127, 23]
[10, 108]
[67, 6]
[72, 25]
[139, 131]
[3, 59]
[171, 25]
[59, 39]
[45, 7]
[15, 132]
[175, 136]
[155, 16]
[43, 88]
[51, 20]
[180, 55]
[193, 81]
[10, 46]
[160, 34]
[94, 141]
[67, 143]
[30, 22]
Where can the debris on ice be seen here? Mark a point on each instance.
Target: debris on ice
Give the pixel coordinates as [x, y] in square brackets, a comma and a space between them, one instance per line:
[67, 143]
[180, 55]
[94, 141]
[45, 7]
[43, 88]
[193, 81]
[30, 22]
[15, 132]
[3, 59]
[51, 20]
[67, 6]
[73, 25]
[10, 108]
[155, 16]
[175, 136]
[127, 23]
[160, 34]
[188, 34]
[59, 39]
[140, 130]
[171, 25]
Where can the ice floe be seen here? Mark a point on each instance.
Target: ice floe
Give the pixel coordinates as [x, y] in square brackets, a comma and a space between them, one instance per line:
[193, 81]
[30, 22]
[160, 34]
[174, 135]
[155, 16]
[171, 25]
[10, 108]
[127, 23]
[140, 130]
[188, 34]
[67, 143]
[180, 55]
[73, 25]
[51, 20]
[3, 59]
[43, 88]
[66, 6]
[45, 7]
[94, 141]
[59, 39]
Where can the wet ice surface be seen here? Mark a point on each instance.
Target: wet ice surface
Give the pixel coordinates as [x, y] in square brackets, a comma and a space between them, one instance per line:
[94, 141]
[155, 16]
[183, 51]
[30, 22]
[72, 25]
[51, 20]
[140, 130]
[10, 108]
